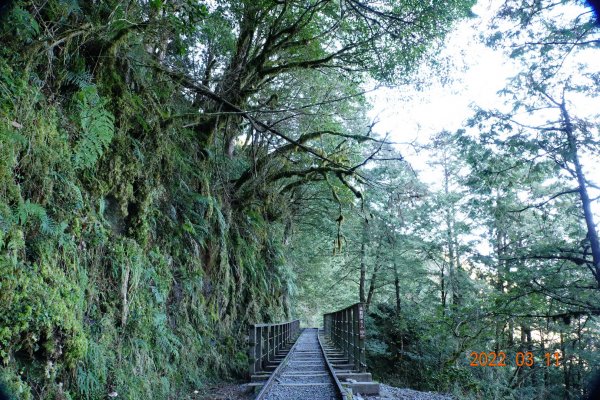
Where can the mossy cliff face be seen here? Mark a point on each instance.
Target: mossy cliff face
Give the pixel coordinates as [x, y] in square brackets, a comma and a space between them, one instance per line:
[124, 265]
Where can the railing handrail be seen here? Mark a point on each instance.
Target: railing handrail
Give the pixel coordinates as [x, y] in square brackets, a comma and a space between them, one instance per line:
[277, 323]
[345, 328]
[265, 341]
[344, 309]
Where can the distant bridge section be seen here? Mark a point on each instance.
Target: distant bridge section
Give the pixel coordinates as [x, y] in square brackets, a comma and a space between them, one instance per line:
[287, 362]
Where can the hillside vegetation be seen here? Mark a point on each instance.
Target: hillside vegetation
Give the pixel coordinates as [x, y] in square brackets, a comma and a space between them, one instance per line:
[171, 171]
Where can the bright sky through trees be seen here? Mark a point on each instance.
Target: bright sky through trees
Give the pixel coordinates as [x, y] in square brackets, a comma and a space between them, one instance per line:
[475, 76]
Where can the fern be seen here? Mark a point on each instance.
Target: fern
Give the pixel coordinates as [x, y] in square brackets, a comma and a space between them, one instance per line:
[6, 218]
[16, 242]
[26, 212]
[81, 79]
[97, 128]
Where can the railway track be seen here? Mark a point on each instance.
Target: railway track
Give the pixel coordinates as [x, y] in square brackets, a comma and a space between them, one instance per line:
[305, 373]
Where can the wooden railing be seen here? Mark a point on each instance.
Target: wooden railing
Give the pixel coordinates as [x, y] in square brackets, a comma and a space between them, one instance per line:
[266, 340]
[346, 330]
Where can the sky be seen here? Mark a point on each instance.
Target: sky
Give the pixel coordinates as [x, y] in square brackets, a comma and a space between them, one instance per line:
[415, 116]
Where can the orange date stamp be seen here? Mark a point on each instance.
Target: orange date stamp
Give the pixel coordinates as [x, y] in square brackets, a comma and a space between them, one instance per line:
[521, 359]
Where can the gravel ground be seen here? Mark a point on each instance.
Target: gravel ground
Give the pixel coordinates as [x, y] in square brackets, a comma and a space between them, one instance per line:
[393, 393]
[231, 391]
[300, 379]
[242, 392]
[302, 393]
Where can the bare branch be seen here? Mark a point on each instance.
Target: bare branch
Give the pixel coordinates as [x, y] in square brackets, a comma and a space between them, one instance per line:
[570, 191]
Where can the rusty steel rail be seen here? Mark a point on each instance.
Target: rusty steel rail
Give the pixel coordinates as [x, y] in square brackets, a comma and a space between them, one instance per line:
[274, 381]
[266, 340]
[346, 330]
[343, 393]
[274, 376]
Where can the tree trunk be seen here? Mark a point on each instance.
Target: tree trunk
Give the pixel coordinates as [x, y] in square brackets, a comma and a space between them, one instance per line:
[530, 348]
[511, 334]
[456, 295]
[566, 373]
[499, 283]
[372, 286]
[443, 294]
[397, 286]
[523, 348]
[230, 88]
[592, 233]
[450, 219]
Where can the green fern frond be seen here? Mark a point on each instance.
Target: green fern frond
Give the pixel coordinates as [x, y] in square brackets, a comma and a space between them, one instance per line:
[29, 212]
[81, 79]
[27, 209]
[16, 241]
[6, 217]
[97, 128]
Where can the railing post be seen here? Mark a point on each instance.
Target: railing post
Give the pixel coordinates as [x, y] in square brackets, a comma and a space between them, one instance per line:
[259, 349]
[279, 336]
[267, 343]
[362, 336]
[344, 348]
[343, 331]
[355, 338]
[348, 331]
[271, 343]
[351, 336]
[340, 318]
[252, 349]
[337, 329]
[261, 335]
[275, 341]
[334, 328]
